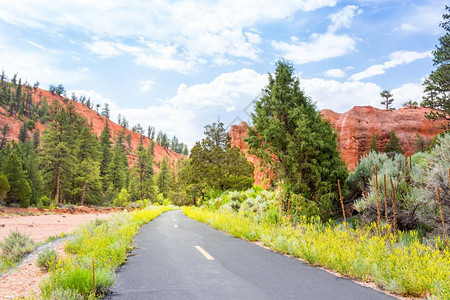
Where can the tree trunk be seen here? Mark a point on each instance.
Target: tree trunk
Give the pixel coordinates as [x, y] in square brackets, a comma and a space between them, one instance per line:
[84, 193]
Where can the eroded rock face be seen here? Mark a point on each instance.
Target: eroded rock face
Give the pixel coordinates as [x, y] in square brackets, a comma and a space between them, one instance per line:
[354, 130]
[237, 135]
[356, 126]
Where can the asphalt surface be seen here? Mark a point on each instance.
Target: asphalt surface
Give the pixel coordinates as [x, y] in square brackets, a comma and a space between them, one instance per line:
[167, 265]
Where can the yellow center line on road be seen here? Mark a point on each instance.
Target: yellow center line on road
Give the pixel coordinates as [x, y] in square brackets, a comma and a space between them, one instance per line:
[205, 254]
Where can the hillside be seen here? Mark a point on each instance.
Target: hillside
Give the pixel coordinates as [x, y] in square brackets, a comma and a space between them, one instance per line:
[98, 124]
[354, 129]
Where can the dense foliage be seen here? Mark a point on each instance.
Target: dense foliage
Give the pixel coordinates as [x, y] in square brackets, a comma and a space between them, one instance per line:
[290, 137]
[437, 85]
[67, 162]
[215, 166]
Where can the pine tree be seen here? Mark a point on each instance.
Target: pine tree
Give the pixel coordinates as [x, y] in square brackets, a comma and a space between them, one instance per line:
[118, 168]
[4, 134]
[34, 174]
[105, 111]
[20, 191]
[290, 137]
[373, 143]
[394, 144]
[164, 179]
[4, 186]
[106, 155]
[437, 85]
[143, 169]
[88, 157]
[57, 149]
[23, 134]
[386, 94]
[36, 138]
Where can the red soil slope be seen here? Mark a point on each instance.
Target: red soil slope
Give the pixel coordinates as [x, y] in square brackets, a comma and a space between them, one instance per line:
[354, 129]
[98, 124]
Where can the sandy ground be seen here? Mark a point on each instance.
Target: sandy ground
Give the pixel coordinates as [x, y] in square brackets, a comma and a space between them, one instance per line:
[39, 228]
[24, 280]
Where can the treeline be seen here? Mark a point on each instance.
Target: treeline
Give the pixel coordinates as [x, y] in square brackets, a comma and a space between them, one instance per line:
[68, 163]
[17, 98]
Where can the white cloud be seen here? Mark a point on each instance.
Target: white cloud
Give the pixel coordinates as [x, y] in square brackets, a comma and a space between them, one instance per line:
[409, 27]
[395, 59]
[406, 92]
[38, 66]
[185, 114]
[226, 90]
[340, 97]
[320, 47]
[196, 29]
[146, 85]
[103, 49]
[343, 18]
[336, 73]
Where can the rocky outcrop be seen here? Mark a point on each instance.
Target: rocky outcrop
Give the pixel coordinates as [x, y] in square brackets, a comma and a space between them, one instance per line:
[354, 129]
[237, 135]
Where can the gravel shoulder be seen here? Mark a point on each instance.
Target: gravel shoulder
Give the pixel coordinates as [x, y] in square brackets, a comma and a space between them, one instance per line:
[23, 280]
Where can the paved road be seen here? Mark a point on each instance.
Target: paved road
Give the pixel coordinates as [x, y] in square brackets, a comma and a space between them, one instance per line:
[168, 265]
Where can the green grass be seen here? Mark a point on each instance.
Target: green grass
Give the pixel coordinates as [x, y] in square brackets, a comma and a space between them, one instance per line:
[99, 245]
[407, 267]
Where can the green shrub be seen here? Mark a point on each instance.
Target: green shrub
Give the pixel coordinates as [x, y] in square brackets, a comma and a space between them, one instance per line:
[45, 201]
[122, 198]
[47, 259]
[16, 245]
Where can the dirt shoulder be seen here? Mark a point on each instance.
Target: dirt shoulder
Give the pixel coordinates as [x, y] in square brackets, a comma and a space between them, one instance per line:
[24, 280]
[40, 227]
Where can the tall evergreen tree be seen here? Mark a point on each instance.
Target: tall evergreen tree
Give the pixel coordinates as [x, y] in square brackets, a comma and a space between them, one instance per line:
[437, 85]
[118, 168]
[106, 155]
[57, 148]
[20, 191]
[164, 179]
[290, 138]
[23, 132]
[34, 174]
[88, 157]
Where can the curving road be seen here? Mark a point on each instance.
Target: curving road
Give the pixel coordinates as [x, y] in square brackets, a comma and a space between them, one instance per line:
[179, 258]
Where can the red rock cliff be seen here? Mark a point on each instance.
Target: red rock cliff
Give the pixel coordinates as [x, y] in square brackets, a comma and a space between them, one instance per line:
[356, 126]
[354, 130]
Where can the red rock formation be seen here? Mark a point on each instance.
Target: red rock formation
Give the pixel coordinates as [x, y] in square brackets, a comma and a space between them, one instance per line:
[354, 129]
[356, 126]
[98, 124]
[237, 135]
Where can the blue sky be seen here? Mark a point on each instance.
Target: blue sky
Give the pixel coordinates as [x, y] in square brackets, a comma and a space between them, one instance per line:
[179, 65]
